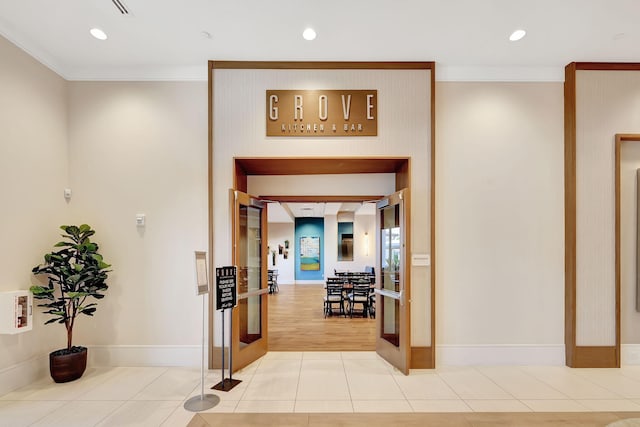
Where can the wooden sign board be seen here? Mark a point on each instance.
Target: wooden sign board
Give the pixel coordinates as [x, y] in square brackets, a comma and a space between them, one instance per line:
[226, 294]
[304, 113]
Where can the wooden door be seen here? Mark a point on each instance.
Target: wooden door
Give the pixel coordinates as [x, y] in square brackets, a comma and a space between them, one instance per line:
[392, 284]
[249, 332]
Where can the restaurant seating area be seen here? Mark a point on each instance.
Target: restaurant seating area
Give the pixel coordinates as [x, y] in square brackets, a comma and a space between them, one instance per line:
[349, 293]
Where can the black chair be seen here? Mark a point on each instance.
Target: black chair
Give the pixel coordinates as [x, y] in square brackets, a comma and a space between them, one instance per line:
[335, 295]
[360, 295]
[372, 304]
[272, 281]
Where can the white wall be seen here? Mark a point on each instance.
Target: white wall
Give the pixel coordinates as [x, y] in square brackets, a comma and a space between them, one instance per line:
[278, 233]
[361, 224]
[33, 175]
[499, 222]
[142, 148]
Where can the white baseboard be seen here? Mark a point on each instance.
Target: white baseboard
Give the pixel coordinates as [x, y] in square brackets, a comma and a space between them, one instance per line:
[144, 355]
[630, 354]
[506, 354]
[24, 373]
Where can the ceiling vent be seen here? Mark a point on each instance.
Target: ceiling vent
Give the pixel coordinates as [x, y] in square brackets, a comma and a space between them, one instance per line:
[121, 7]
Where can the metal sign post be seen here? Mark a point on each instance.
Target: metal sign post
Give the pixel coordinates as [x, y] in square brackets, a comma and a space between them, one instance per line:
[226, 297]
[203, 401]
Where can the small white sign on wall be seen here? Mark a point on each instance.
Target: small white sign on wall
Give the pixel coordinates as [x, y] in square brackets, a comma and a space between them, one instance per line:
[420, 260]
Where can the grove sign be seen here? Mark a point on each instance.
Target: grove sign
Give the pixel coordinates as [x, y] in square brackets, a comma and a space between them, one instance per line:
[322, 113]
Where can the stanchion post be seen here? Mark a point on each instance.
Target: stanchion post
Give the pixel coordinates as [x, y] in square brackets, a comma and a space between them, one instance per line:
[204, 401]
[231, 353]
[222, 367]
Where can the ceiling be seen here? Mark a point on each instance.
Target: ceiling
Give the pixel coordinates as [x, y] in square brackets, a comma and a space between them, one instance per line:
[468, 39]
[286, 212]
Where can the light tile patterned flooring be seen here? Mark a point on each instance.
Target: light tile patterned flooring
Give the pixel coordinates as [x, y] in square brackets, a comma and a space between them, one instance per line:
[318, 382]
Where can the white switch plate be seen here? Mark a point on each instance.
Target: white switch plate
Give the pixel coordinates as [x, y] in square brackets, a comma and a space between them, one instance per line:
[140, 220]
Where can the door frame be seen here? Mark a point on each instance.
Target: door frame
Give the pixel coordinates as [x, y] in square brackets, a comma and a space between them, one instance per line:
[420, 357]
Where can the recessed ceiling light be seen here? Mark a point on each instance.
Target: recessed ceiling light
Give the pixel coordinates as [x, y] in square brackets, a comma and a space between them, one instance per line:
[517, 35]
[98, 33]
[309, 34]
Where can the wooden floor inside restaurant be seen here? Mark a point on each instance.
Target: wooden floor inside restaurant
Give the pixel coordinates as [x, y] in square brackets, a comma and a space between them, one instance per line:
[297, 323]
[517, 419]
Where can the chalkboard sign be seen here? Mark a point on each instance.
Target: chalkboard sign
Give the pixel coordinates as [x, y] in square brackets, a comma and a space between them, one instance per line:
[226, 295]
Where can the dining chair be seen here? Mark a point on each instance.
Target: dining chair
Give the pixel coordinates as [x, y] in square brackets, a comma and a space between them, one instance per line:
[272, 281]
[334, 295]
[359, 295]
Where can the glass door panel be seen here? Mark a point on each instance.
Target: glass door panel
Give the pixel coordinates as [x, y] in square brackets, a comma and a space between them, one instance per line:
[390, 269]
[249, 266]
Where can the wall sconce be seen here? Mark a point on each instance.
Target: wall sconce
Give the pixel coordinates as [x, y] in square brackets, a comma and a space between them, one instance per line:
[366, 243]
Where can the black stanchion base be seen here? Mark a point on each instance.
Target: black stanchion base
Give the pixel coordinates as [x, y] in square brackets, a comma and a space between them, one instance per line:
[226, 384]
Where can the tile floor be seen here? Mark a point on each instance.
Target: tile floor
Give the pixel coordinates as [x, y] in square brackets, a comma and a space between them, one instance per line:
[317, 382]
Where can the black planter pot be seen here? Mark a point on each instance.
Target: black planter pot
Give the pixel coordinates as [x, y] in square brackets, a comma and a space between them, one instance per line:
[67, 365]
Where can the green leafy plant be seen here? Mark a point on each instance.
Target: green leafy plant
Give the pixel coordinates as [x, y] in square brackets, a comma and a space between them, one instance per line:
[75, 273]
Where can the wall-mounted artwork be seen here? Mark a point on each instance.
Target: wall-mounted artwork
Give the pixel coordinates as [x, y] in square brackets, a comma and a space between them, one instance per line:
[345, 241]
[310, 253]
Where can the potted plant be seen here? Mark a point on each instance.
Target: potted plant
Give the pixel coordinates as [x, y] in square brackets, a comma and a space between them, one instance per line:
[75, 273]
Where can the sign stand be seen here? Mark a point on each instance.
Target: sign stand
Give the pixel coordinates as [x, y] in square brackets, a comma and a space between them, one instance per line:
[226, 297]
[203, 401]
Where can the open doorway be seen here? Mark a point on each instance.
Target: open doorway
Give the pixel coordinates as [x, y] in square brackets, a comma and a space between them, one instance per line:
[392, 291]
[381, 176]
[299, 317]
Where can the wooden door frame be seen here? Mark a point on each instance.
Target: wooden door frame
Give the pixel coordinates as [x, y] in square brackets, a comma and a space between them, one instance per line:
[620, 139]
[584, 356]
[421, 357]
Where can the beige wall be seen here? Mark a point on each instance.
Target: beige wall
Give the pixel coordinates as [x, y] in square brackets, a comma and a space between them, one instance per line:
[239, 110]
[33, 175]
[607, 102]
[499, 215]
[128, 148]
[629, 316]
[142, 148]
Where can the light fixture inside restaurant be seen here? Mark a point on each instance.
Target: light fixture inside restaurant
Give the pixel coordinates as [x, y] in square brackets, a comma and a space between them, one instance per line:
[517, 35]
[98, 33]
[309, 34]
